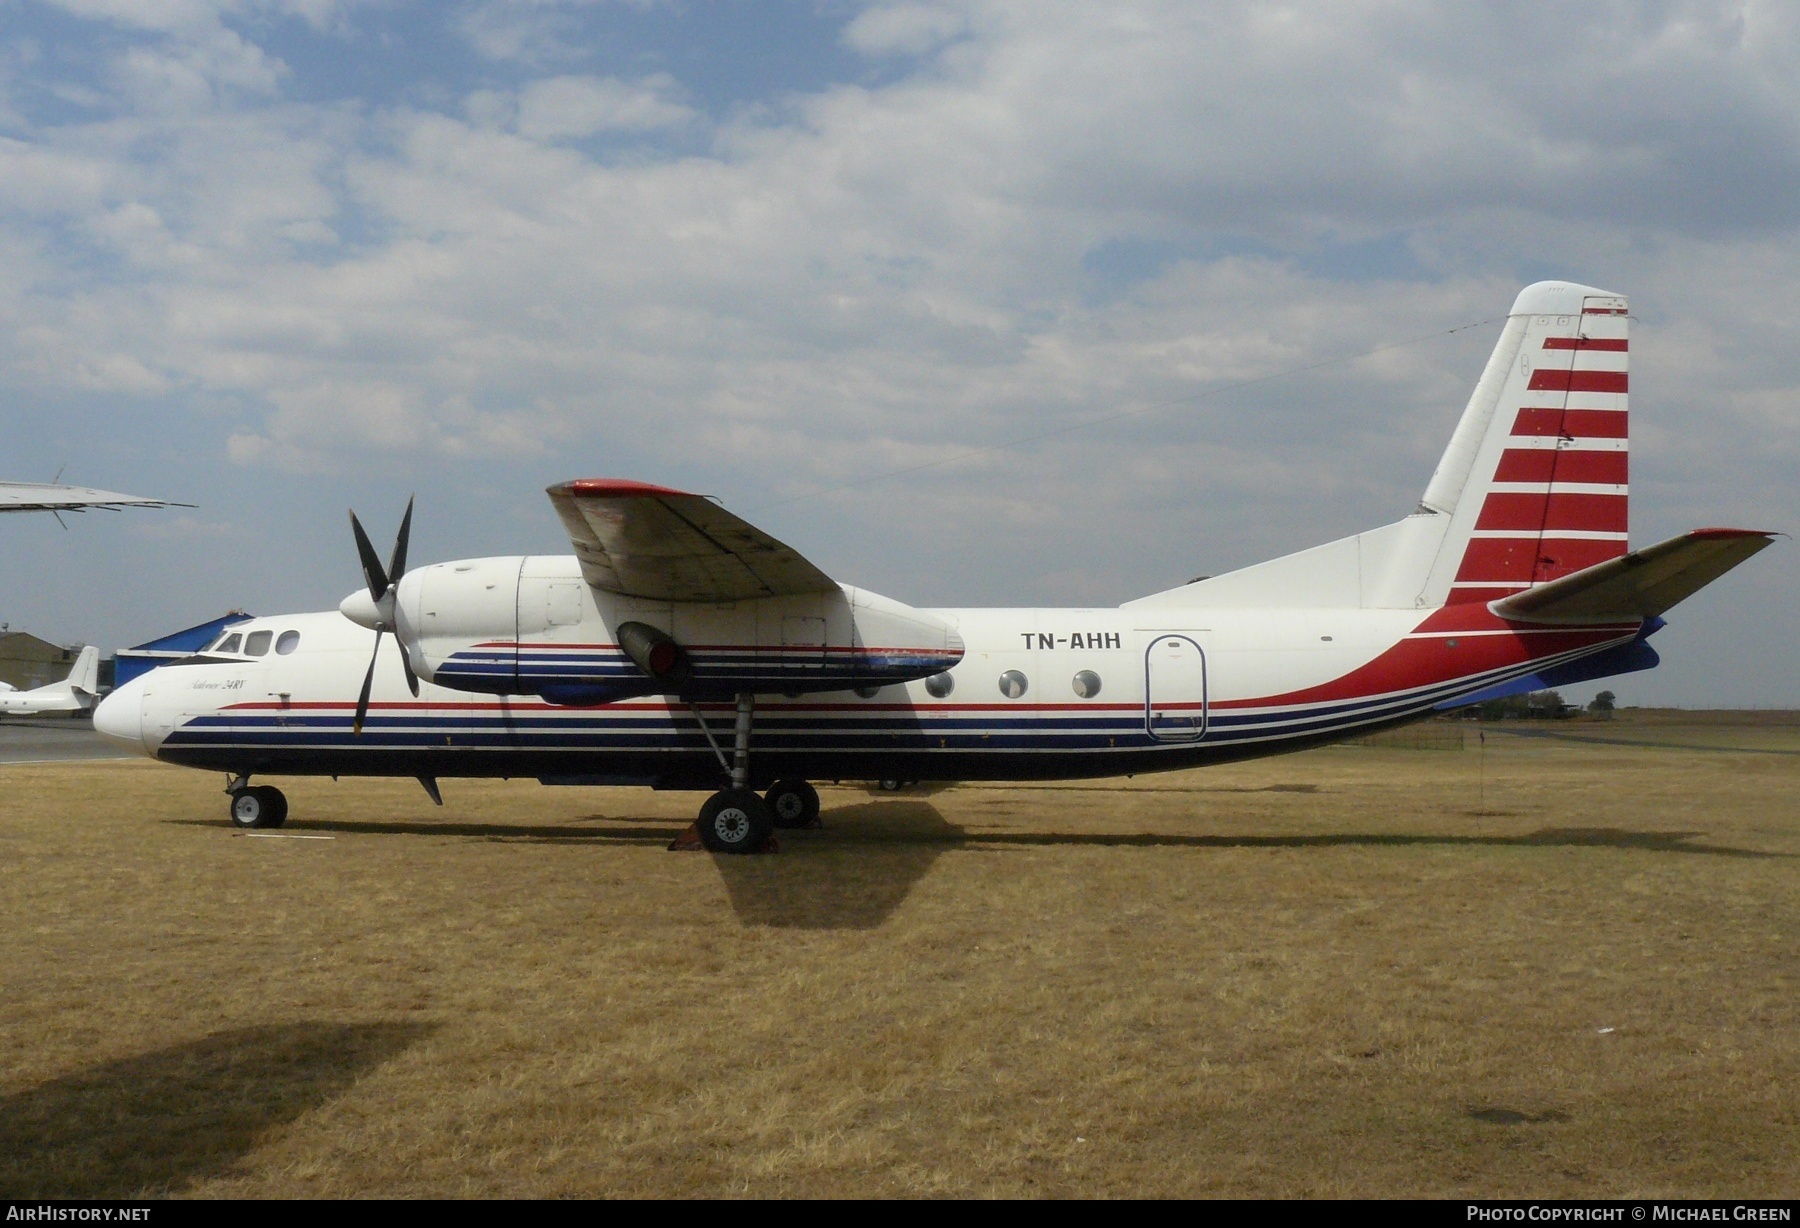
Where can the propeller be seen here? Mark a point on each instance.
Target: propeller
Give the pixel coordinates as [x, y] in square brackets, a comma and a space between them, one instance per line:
[382, 582]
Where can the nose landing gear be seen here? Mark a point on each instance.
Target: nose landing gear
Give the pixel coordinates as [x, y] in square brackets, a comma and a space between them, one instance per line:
[257, 805]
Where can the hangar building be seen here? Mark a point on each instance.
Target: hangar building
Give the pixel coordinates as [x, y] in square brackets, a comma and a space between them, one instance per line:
[28, 662]
[142, 658]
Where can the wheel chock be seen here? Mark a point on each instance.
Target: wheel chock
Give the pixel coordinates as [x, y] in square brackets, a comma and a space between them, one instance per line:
[689, 842]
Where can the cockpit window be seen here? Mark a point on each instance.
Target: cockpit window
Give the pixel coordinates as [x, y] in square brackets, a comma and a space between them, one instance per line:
[230, 643]
[289, 641]
[258, 643]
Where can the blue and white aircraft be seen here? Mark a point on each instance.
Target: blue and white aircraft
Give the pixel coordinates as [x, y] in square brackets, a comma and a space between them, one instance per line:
[681, 647]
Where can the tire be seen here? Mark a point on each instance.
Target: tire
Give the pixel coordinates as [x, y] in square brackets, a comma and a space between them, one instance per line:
[891, 785]
[258, 807]
[735, 821]
[793, 804]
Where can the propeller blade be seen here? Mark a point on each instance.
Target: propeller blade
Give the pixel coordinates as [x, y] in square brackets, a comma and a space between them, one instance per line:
[412, 679]
[371, 564]
[362, 701]
[397, 564]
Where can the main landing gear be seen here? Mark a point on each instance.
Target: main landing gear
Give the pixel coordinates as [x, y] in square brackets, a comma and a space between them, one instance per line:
[256, 805]
[736, 819]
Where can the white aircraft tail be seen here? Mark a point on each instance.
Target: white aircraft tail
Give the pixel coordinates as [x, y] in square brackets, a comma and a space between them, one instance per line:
[84, 679]
[1533, 486]
[76, 693]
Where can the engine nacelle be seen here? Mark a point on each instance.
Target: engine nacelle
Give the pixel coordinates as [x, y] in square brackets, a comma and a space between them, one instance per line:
[531, 625]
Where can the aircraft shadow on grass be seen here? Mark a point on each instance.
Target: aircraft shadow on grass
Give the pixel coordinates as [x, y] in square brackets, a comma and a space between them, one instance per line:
[161, 1121]
[852, 874]
[1555, 837]
[868, 858]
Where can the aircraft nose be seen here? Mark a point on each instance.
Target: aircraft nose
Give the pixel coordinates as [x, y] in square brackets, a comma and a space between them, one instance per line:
[119, 717]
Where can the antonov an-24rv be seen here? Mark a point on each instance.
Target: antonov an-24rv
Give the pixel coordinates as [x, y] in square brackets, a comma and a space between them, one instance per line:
[683, 648]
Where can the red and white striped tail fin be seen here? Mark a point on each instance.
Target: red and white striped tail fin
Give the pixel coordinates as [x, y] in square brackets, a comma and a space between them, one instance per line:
[1535, 479]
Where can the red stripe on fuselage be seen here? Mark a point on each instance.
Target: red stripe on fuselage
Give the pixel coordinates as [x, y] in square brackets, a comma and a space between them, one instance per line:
[1420, 662]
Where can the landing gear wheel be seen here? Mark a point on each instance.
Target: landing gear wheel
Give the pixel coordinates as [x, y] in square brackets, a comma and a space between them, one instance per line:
[260, 806]
[794, 804]
[891, 785]
[735, 821]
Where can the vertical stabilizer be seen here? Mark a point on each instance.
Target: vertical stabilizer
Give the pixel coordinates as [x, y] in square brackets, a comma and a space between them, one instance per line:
[1535, 479]
[85, 677]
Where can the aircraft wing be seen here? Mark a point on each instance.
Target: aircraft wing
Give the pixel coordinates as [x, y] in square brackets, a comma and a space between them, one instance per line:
[666, 545]
[1638, 585]
[40, 497]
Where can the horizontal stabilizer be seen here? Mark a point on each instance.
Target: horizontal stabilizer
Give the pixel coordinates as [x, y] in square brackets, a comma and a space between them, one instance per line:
[1638, 585]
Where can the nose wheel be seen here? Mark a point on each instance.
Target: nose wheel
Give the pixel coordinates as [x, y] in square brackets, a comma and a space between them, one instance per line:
[258, 806]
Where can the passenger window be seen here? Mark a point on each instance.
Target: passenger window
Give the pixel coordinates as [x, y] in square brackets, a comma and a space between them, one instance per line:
[940, 685]
[231, 642]
[1013, 684]
[258, 643]
[289, 641]
[868, 692]
[1086, 684]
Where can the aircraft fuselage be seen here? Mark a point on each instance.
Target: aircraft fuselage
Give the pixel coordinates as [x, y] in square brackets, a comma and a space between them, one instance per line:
[1017, 693]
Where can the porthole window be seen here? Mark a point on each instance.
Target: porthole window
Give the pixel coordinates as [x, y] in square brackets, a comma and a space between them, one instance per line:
[940, 685]
[258, 643]
[231, 642]
[1086, 684]
[868, 692]
[1013, 684]
[289, 641]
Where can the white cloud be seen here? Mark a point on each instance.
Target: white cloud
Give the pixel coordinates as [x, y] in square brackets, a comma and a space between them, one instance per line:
[905, 29]
[560, 108]
[882, 276]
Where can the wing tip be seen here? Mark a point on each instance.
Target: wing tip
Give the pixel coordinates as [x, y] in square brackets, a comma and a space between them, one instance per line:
[614, 488]
[1725, 534]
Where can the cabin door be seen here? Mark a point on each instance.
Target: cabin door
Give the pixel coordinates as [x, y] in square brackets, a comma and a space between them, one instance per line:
[1174, 686]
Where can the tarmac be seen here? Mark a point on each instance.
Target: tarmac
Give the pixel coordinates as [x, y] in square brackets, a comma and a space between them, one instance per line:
[53, 740]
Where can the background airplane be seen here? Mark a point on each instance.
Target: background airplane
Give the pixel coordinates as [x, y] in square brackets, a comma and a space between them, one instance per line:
[678, 639]
[76, 693]
[48, 497]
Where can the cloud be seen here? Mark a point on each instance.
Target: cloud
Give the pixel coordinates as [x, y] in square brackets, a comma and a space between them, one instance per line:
[561, 108]
[1024, 218]
[907, 29]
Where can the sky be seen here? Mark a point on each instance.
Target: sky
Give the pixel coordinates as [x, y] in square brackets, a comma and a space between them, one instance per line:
[973, 303]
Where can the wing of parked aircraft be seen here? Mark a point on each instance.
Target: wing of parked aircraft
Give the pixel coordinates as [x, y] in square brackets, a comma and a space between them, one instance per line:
[1639, 585]
[44, 497]
[640, 540]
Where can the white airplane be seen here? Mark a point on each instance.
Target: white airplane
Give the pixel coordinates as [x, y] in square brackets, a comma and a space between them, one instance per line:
[76, 693]
[46, 497]
[681, 647]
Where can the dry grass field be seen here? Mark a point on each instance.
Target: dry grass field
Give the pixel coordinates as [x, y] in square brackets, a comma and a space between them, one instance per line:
[1337, 973]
